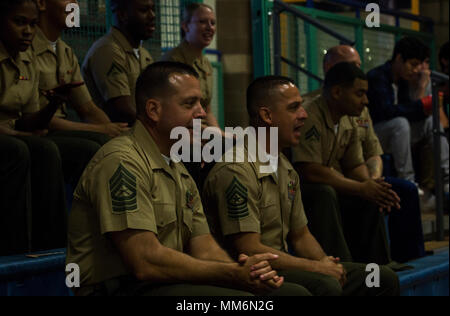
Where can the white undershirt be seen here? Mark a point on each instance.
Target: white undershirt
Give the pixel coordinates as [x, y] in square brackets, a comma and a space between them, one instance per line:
[53, 45]
[336, 129]
[136, 52]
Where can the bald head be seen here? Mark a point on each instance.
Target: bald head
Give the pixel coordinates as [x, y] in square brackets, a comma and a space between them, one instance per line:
[340, 54]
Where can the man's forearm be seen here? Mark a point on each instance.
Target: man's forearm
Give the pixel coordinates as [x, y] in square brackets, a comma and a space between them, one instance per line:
[167, 266]
[59, 124]
[375, 166]
[306, 246]
[316, 173]
[93, 114]
[284, 262]
[206, 248]
[360, 173]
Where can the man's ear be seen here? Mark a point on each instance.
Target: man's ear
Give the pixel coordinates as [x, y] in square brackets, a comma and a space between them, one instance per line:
[42, 5]
[185, 27]
[336, 92]
[153, 110]
[265, 115]
[399, 58]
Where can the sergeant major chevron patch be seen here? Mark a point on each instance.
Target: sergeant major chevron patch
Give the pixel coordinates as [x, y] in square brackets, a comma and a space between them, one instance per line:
[122, 187]
[237, 197]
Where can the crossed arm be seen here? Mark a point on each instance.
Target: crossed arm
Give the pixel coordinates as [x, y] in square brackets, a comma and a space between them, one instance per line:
[358, 183]
[309, 254]
[150, 261]
[97, 121]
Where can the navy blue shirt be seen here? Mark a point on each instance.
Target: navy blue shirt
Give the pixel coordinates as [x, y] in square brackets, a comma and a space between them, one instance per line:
[381, 96]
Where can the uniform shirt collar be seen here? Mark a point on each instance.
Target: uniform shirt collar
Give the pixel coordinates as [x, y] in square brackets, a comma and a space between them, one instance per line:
[41, 43]
[344, 122]
[189, 54]
[152, 151]
[123, 41]
[283, 163]
[326, 112]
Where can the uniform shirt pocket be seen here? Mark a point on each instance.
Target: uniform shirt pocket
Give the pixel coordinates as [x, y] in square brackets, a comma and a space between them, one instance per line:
[269, 215]
[188, 218]
[166, 218]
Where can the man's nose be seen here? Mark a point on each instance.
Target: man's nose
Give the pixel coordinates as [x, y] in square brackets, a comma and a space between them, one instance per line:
[200, 112]
[303, 115]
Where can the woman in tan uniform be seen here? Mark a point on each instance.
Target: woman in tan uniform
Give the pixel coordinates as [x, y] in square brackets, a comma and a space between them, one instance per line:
[31, 179]
[199, 29]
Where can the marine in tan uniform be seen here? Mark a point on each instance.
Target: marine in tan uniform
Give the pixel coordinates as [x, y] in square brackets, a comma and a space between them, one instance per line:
[254, 210]
[405, 228]
[137, 225]
[330, 157]
[114, 62]
[32, 199]
[57, 65]
[199, 29]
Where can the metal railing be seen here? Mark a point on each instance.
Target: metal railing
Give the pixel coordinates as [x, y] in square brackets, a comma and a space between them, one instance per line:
[281, 7]
[428, 22]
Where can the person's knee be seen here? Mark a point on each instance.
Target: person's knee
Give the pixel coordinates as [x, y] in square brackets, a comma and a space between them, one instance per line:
[327, 286]
[402, 127]
[50, 152]
[15, 155]
[326, 191]
[408, 188]
[389, 282]
[291, 289]
[332, 288]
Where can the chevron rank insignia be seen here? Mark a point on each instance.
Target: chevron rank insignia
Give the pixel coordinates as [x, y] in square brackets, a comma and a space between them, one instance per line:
[114, 70]
[237, 197]
[123, 191]
[312, 134]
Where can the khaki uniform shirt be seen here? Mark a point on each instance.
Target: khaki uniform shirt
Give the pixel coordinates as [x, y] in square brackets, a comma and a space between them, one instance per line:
[307, 98]
[58, 68]
[18, 87]
[369, 140]
[183, 54]
[370, 143]
[240, 199]
[129, 185]
[111, 68]
[319, 143]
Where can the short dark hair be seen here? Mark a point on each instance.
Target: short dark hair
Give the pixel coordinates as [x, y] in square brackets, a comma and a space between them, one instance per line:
[260, 90]
[6, 6]
[411, 48]
[154, 81]
[343, 74]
